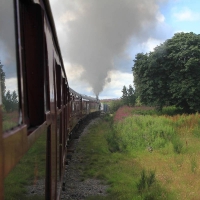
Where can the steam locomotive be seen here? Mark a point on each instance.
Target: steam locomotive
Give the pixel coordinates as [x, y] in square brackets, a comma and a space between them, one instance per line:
[35, 97]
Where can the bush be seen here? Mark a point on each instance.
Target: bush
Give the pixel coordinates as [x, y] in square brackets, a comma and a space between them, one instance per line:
[107, 117]
[146, 181]
[112, 141]
[115, 105]
[178, 145]
[196, 131]
[148, 187]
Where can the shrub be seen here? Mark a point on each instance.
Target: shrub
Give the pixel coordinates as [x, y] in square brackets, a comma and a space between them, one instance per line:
[196, 132]
[178, 145]
[147, 179]
[112, 141]
[115, 105]
[107, 117]
[149, 188]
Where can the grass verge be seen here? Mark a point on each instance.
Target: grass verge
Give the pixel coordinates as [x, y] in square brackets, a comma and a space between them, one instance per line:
[120, 170]
[118, 153]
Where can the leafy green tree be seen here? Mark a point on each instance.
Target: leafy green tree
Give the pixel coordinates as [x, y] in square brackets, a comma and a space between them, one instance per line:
[2, 79]
[14, 101]
[128, 96]
[158, 77]
[170, 75]
[7, 101]
[141, 77]
[10, 101]
[124, 95]
[131, 96]
[183, 52]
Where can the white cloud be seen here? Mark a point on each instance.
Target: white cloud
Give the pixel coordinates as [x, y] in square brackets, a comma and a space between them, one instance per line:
[11, 84]
[150, 44]
[118, 80]
[160, 17]
[180, 31]
[73, 71]
[66, 17]
[185, 15]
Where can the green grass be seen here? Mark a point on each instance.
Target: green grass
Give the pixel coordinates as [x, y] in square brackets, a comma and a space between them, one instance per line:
[118, 169]
[141, 132]
[170, 111]
[30, 169]
[117, 153]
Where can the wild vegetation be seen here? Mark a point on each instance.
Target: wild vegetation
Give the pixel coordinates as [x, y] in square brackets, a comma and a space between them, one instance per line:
[115, 105]
[145, 154]
[140, 152]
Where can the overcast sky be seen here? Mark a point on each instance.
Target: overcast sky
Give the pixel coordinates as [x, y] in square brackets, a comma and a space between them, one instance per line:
[99, 39]
[7, 44]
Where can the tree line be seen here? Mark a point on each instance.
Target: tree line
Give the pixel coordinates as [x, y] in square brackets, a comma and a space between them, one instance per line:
[128, 96]
[9, 99]
[170, 75]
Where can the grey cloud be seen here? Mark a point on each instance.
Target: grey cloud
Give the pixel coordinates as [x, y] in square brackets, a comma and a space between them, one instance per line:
[108, 80]
[101, 31]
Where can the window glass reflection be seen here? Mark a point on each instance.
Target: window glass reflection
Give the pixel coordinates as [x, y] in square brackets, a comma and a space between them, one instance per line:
[27, 180]
[8, 66]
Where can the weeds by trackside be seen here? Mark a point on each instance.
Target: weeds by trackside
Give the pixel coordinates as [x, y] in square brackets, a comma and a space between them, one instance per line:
[141, 154]
[145, 156]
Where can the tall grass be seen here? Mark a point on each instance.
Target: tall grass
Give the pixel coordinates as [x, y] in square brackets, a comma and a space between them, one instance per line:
[142, 132]
[148, 187]
[145, 156]
[170, 111]
[139, 132]
[101, 159]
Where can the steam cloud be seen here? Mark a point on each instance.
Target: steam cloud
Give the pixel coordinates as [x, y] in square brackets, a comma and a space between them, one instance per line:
[94, 33]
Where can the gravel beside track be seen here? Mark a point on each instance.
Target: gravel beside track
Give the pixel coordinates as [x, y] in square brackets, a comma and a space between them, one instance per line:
[75, 187]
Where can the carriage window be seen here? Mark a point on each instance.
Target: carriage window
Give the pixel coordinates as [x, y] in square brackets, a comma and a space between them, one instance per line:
[8, 66]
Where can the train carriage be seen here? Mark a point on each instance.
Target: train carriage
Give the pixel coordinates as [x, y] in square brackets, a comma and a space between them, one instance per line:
[32, 73]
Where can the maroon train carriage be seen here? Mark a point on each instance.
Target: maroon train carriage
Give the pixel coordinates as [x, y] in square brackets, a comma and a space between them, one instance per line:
[35, 97]
[82, 107]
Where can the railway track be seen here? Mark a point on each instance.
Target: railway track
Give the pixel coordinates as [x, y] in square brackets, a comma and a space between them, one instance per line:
[75, 186]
